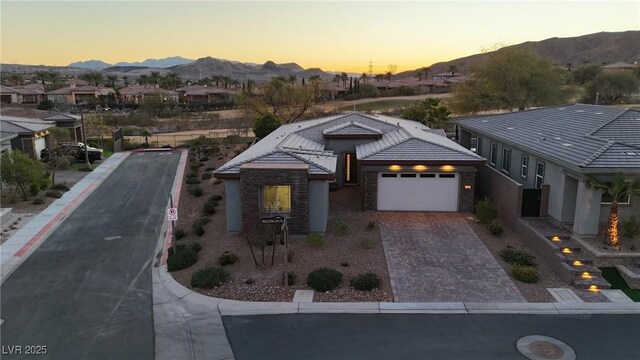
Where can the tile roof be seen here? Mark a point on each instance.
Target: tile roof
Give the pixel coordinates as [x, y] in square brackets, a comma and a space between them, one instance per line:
[143, 89]
[304, 143]
[16, 125]
[351, 128]
[581, 136]
[68, 90]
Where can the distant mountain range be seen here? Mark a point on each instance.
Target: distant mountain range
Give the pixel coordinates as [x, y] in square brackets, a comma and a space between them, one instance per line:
[154, 63]
[602, 47]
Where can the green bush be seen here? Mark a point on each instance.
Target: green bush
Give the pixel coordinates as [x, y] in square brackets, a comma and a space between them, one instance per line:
[526, 274]
[495, 229]
[371, 225]
[61, 187]
[195, 246]
[365, 282]
[315, 239]
[192, 174]
[195, 190]
[290, 255]
[206, 176]
[194, 166]
[45, 105]
[53, 194]
[485, 211]
[210, 169]
[176, 248]
[182, 259]
[209, 208]
[366, 243]
[324, 279]
[204, 158]
[344, 264]
[227, 258]
[291, 278]
[341, 226]
[209, 277]
[192, 181]
[630, 228]
[216, 198]
[516, 257]
[198, 227]
[38, 201]
[179, 233]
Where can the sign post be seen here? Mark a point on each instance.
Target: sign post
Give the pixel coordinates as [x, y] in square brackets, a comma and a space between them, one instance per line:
[285, 234]
[172, 215]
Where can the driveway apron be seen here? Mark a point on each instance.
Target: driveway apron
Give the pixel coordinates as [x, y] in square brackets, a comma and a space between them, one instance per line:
[437, 257]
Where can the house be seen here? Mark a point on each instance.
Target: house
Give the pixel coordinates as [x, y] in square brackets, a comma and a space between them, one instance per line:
[399, 165]
[618, 67]
[74, 94]
[202, 94]
[548, 154]
[8, 95]
[32, 135]
[5, 141]
[71, 122]
[137, 93]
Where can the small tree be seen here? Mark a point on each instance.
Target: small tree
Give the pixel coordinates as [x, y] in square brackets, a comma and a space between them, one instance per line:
[613, 88]
[265, 125]
[57, 159]
[618, 188]
[20, 170]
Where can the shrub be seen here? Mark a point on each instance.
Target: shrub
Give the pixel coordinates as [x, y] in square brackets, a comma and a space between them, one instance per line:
[179, 233]
[193, 174]
[61, 187]
[291, 278]
[206, 176]
[195, 246]
[227, 258]
[526, 274]
[515, 257]
[192, 181]
[209, 169]
[45, 105]
[216, 198]
[34, 189]
[324, 279]
[209, 208]
[249, 281]
[217, 182]
[53, 194]
[290, 255]
[38, 201]
[485, 211]
[195, 190]
[176, 248]
[198, 227]
[204, 158]
[630, 228]
[371, 225]
[209, 277]
[341, 226]
[181, 259]
[344, 264]
[315, 239]
[194, 166]
[365, 282]
[366, 243]
[495, 229]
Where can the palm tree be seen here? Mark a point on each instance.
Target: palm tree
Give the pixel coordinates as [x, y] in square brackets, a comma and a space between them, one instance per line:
[292, 79]
[425, 71]
[419, 75]
[143, 79]
[617, 189]
[125, 79]
[364, 77]
[16, 78]
[453, 69]
[42, 76]
[172, 81]
[111, 81]
[344, 77]
[337, 78]
[155, 77]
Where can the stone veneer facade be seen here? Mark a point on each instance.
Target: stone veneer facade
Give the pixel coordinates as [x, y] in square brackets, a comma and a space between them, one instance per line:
[370, 191]
[253, 180]
[466, 196]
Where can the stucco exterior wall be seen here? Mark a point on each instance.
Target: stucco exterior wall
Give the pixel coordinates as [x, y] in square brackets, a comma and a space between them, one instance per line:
[505, 194]
[340, 147]
[318, 205]
[233, 202]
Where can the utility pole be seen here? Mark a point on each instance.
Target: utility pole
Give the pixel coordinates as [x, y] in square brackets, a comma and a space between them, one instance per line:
[370, 68]
[84, 138]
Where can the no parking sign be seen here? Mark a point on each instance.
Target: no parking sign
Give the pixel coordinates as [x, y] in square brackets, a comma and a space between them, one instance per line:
[172, 214]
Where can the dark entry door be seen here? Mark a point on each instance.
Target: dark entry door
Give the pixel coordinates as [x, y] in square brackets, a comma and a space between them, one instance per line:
[531, 202]
[350, 168]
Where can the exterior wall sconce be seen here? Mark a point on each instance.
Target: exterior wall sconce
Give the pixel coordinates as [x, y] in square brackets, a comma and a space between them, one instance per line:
[395, 167]
[467, 186]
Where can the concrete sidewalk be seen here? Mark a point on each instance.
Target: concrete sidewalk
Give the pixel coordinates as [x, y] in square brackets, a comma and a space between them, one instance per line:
[25, 241]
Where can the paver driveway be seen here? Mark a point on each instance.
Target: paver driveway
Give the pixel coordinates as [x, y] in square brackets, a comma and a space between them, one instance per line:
[437, 257]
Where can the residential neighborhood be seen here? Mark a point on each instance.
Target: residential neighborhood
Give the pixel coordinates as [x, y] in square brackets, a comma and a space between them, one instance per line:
[320, 181]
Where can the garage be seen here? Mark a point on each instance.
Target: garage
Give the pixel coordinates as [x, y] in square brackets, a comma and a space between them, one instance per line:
[418, 191]
[39, 144]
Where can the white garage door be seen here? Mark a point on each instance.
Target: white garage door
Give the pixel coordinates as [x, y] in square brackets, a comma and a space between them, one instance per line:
[418, 192]
[39, 145]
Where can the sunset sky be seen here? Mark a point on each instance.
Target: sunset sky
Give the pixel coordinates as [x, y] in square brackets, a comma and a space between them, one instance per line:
[332, 35]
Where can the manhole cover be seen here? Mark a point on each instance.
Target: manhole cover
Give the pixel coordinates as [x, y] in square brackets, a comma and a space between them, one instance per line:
[539, 347]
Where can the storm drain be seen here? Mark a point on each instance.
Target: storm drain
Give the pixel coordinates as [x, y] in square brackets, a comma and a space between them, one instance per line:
[539, 347]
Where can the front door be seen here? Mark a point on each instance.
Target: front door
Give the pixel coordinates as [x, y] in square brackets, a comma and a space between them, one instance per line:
[350, 168]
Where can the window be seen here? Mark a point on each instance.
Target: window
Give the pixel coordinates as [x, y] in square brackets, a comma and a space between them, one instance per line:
[608, 199]
[479, 152]
[407, 175]
[276, 198]
[506, 160]
[427, 175]
[494, 154]
[539, 175]
[524, 168]
[390, 175]
[447, 176]
[474, 145]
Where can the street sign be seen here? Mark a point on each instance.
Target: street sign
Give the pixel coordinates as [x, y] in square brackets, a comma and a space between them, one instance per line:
[172, 214]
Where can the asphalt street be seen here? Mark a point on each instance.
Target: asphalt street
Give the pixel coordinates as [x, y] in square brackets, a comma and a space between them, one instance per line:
[85, 293]
[427, 336]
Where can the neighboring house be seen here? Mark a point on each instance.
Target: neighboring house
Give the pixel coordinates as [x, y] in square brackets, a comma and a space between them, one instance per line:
[71, 122]
[137, 93]
[202, 94]
[5, 141]
[32, 135]
[8, 95]
[549, 153]
[73, 94]
[447, 76]
[618, 67]
[398, 164]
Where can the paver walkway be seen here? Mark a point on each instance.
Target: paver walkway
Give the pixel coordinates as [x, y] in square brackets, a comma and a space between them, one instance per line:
[438, 257]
